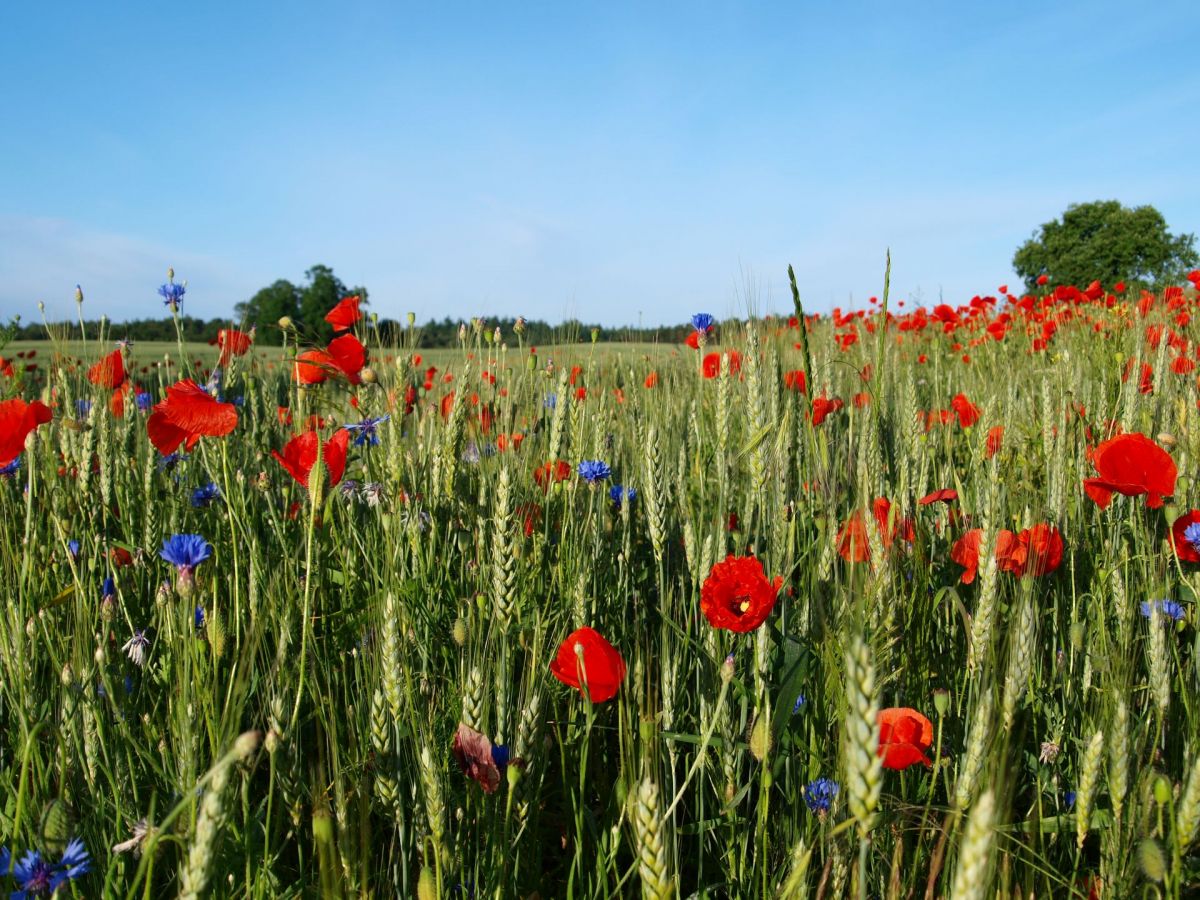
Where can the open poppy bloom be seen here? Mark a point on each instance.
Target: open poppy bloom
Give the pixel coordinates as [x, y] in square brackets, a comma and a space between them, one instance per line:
[712, 363]
[853, 540]
[187, 414]
[1185, 536]
[17, 419]
[300, 455]
[967, 412]
[1131, 464]
[344, 356]
[109, 372]
[795, 381]
[343, 316]
[945, 495]
[232, 343]
[995, 440]
[547, 474]
[822, 406]
[586, 658]
[904, 736]
[737, 595]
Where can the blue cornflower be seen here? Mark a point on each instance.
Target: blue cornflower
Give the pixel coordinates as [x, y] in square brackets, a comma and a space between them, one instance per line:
[11, 469]
[500, 756]
[617, 493]
[1168, 609]
[366, 431]
[551, 401]
[819, 795]
[593, 470]
[205, 495]
[124, 344]
[185, 552]
[38, 878]
[470, 453]
[1191, 534]
[73, 550]
[82, 408]
[108, 588]
[1069, 799]
[239, 400]
[799, 704]
[143, 400]
[172, 294]
[199, 617]
[170, 461]
[702, 322]
[213, 386]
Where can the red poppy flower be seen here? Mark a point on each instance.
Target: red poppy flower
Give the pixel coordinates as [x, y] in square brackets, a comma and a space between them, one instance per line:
[1131, 464]
[586, 657]
[473, 752]
[1039, 551]
[712, 363]
[109, 372]
[945, 495]
[737, 595]
[1042, 280]
[904, 736]
[796, 381]
[965, 552]
[967, 412]
[300, 455]
[530, 516]
[343, 316]
[345, 355]
[6, 367]
[822, 407]
[853, 541]
[995, 439]
[120, 557]
[546, 475]
[312, 367]
[1185, 549]
[187, 414]
[652, 380]
[232, 343]
[17, 419]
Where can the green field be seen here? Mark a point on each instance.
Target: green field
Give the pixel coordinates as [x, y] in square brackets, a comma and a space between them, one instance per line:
[377, 684]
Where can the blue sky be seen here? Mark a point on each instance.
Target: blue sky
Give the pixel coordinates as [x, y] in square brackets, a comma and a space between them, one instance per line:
[600, 161]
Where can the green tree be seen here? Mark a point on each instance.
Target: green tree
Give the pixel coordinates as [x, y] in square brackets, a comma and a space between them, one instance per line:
[306, 305]
[1110, 242]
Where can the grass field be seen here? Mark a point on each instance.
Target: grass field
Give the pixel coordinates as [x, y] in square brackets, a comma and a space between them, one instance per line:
[883, 614]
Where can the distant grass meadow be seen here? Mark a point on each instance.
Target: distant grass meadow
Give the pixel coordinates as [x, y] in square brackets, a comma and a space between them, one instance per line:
[822, 607]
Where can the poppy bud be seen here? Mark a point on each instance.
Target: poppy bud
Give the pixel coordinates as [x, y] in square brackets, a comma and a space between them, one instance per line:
[426, 884]
[368, 375]
[1166, 439]
[285, 322]
[1078, 632]
[100, 656]
[941, 701]
[1151, 859]
[459, 632]
[760, 738]
[271, 743]
[1162, 791]
[727, 669]
[66, 676]
[412, 319]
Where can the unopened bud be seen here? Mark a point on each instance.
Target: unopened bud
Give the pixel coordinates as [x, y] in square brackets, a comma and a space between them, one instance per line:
[941, 701]
[368, 375]
[285, 322]
[412, 319]
[246, 744]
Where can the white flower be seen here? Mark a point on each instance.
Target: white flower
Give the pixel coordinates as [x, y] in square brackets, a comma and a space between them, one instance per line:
[137, 648]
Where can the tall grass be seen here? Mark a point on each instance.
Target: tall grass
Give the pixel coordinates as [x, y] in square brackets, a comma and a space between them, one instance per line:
[298, 741]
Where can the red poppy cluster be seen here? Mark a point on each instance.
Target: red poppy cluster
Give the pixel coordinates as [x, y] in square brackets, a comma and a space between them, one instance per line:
[1035, 551]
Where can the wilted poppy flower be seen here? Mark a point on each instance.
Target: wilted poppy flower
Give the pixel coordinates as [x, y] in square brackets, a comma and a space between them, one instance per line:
[586, 658]
[187, 414]
[232, 343]
[300, 455]
[17, 419]
[967, 412]
[109, 372]
[1185, 536]
[343, 316]
[476, 757]
[1131, 464]
[904, 736]
[737, 595]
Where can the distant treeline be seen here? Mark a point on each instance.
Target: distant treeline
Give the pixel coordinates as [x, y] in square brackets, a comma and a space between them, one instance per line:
[306, 305]
[432, 334]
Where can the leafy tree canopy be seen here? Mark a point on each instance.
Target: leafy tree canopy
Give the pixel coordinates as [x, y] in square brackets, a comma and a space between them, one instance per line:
[1110, 242]
[305, 305]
